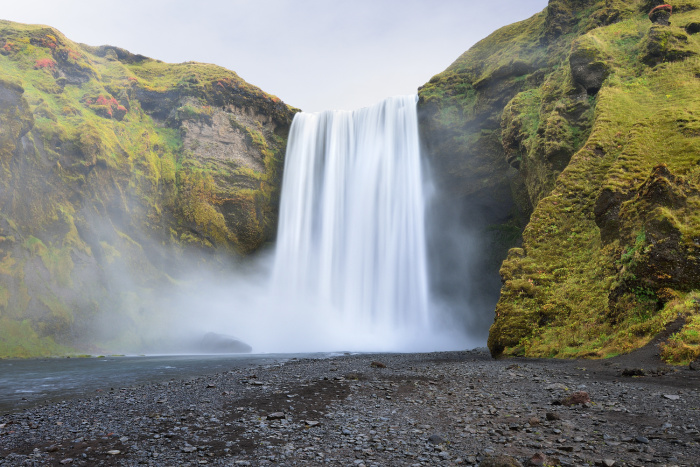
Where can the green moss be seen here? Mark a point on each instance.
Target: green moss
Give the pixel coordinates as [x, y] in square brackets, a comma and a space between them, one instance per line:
[190, 112]
[595, 298]
[4, 296]
[19, 340]
[94, 172]
[684, 346]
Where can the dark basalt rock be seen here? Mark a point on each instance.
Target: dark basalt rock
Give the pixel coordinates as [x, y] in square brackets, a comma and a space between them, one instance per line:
[607, 213]
[577, 398]
[588, 67]
[664, 44]
[661, 15]
[660, 257]
[221, 343]
[692, 28]
[561, 17]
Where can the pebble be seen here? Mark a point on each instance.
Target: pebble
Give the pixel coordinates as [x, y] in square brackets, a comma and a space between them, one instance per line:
[341, 411]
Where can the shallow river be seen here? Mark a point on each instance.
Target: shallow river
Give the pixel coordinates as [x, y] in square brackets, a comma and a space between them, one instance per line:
[25, 383]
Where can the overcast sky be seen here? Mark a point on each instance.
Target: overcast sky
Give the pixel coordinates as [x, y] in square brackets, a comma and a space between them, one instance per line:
[313, 54]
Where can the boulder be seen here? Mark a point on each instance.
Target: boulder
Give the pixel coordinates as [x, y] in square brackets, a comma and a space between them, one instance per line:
[221, 343]
[661, 15]
[577, 398]
[664, 44]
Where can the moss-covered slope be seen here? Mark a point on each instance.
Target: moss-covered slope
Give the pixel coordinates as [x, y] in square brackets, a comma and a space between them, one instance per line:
[597, 108]
[114, 168]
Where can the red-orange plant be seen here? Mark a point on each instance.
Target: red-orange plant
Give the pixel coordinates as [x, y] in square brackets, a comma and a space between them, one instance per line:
[45, 63]
[665, 7]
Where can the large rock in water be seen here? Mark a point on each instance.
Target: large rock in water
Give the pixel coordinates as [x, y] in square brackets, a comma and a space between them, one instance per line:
[221, 343]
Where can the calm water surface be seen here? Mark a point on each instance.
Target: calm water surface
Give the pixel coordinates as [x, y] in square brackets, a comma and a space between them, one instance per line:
[25, 383]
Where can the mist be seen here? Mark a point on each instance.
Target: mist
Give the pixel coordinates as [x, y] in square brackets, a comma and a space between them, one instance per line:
[464, 284]
[356, 265]
[243, 302]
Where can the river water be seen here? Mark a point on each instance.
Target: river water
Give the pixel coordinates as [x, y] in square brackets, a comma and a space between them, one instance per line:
[26, 383]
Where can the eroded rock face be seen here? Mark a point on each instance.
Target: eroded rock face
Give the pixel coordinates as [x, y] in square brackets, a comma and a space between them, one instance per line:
[607, 213]
[222, 136]
[588, 66]
[583, 140]
[116, 185]
[664, 44]
[16, 116]
[560, 18]
[243, 146]
[658, 257]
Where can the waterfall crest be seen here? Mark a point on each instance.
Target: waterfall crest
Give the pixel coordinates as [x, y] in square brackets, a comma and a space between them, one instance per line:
[351, 230]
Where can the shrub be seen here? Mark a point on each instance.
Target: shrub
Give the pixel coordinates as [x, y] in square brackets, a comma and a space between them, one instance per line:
[45, 63]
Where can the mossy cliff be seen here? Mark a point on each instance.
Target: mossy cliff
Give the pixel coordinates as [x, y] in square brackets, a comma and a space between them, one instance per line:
[582, 125]
[118, 173]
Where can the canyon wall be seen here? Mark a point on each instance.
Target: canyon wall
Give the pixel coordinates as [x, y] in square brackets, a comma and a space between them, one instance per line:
[120, 174]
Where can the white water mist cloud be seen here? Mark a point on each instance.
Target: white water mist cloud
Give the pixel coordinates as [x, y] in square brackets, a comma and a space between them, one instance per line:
[350, 272]
[242, 302]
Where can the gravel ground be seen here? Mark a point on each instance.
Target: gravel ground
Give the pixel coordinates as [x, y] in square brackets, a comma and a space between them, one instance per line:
[448, 408]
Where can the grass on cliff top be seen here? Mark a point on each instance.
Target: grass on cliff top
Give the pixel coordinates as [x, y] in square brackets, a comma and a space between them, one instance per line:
[155, 75]
[491, 54]
[645, 116]
[512, 43]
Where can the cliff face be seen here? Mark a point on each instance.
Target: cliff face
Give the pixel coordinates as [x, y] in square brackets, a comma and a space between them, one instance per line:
[581, 124]
[118, 173]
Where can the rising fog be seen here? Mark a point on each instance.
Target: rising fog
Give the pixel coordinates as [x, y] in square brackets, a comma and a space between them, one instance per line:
[349, 271]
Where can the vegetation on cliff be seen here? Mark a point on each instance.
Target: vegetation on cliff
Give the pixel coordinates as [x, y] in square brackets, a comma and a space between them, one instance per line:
[596, 105]
[118, 172]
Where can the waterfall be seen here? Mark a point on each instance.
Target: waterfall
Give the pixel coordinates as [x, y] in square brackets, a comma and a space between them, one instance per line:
[350, 270]
[351, 240]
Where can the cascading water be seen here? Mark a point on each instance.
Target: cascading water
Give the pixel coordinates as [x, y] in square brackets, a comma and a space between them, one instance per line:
[351, 241]
[350, 267]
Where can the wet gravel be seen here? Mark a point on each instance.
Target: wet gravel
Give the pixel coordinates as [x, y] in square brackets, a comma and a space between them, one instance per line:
[448, 408]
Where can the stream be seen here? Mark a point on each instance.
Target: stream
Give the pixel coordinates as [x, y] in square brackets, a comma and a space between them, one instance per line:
[31, 382]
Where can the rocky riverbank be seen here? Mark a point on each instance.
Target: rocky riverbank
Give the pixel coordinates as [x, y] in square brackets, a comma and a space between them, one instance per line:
[453, 408]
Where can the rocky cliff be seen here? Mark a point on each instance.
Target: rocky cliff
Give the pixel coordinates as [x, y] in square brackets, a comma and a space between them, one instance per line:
[581, 124]
[118, 173]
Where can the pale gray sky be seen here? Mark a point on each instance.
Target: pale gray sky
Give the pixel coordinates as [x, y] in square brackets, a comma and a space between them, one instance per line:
[313, 54]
